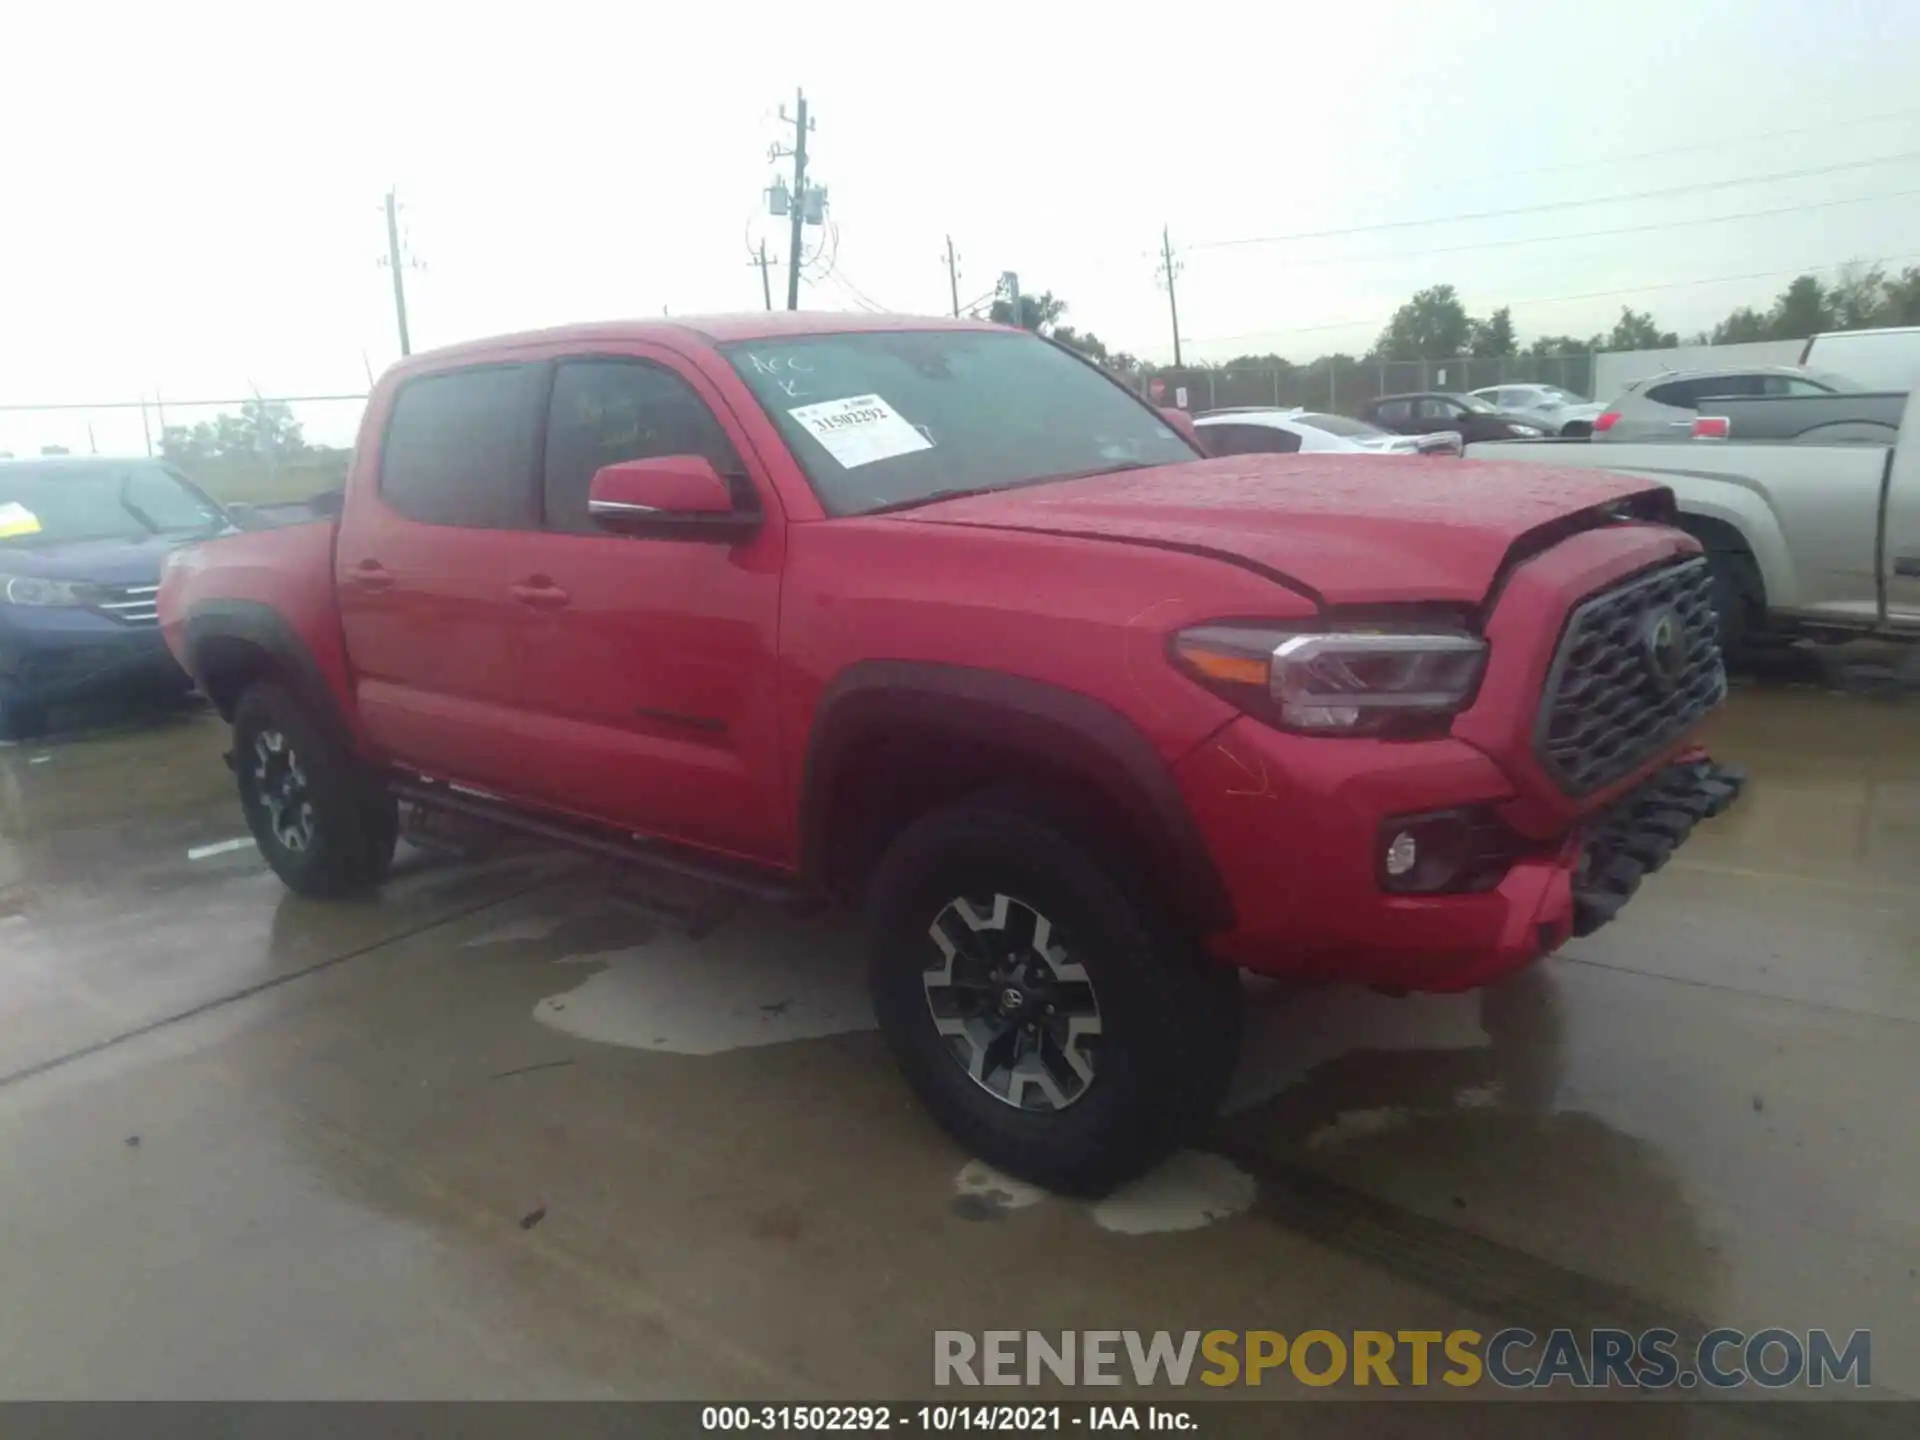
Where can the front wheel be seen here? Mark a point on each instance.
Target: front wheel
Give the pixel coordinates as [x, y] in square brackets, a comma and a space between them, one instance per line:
[323, 823]
[1046, 1019]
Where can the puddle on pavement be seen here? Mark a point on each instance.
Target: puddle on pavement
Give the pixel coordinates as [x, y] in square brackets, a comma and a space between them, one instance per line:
[757, 980]
[1189, 1191]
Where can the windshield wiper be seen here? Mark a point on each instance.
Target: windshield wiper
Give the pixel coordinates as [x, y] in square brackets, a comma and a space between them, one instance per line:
[152, 526]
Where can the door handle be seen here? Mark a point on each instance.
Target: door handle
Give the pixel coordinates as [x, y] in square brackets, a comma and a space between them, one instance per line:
[371, 575]
[540, 593]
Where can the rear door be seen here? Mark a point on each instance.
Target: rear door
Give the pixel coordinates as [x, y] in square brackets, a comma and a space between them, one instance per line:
[1435, 413]
[1396, 415]
[647, 680]
[421, 569]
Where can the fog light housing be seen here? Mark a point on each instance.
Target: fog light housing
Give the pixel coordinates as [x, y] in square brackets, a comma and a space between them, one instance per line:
[1444, 852]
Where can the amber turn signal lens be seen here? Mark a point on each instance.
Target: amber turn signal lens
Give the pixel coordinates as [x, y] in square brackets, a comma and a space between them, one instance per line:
[1227, 668]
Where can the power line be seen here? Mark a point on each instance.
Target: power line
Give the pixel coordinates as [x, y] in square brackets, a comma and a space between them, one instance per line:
[1614, 230]
[841, 277]
[1694, 148]
[1695, 187]
[1556, 299]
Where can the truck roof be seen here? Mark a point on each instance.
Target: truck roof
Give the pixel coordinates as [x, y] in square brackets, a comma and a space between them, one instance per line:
[710, 329]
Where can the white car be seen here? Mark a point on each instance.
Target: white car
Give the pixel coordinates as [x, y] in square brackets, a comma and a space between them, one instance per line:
[1282, 432]
[1559, 412]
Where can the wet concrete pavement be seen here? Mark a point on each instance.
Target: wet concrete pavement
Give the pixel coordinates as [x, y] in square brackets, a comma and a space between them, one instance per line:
[492, 1135]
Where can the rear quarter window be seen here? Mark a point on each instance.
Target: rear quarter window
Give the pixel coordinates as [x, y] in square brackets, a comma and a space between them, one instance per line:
[462, 447]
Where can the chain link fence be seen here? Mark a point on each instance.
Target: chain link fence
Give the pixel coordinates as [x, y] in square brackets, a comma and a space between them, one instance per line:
[1343, 386]
[213, 443]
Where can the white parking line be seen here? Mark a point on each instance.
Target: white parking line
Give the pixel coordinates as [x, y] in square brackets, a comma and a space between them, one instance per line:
[223, 847]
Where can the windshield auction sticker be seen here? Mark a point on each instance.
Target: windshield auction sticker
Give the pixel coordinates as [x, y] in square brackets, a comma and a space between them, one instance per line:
[17, 519]
[860, 430]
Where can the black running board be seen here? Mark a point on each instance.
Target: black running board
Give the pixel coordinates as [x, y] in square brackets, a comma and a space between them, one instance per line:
[1640, 832]
[664, 857]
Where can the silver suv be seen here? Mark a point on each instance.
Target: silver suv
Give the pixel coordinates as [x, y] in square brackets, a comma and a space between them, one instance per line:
[1663, 407]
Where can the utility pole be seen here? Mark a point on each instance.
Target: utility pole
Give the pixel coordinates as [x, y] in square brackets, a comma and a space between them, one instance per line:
[1168, 270]
[399, 280]
[953, 277]
[764, 262]
[801, 125]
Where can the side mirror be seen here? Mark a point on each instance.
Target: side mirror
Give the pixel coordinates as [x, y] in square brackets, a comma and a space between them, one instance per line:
[669, 496]
[1182, 423]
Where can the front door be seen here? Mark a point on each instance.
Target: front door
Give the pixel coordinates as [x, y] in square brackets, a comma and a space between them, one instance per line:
[421, 569]
[647, 673]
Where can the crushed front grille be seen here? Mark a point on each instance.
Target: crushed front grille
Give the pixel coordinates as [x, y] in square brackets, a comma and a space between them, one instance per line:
[1637, 666]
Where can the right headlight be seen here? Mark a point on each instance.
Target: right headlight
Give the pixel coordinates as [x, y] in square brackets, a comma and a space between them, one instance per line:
[1337, 682]
[33, 590]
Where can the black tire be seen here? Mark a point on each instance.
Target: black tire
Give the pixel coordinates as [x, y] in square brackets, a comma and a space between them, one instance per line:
[22, 717]
[1577, 430]
[1169, 1018]
[334, 832]
[1738, 601]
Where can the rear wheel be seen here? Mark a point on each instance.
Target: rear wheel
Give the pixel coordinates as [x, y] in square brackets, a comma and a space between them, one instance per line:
[323, 823]
[1051, 1025]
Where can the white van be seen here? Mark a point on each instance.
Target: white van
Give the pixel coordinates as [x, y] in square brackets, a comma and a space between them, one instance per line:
[1874, 359]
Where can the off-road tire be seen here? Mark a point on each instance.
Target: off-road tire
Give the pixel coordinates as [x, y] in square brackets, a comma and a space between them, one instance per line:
[1170, 1017]
[353, 824]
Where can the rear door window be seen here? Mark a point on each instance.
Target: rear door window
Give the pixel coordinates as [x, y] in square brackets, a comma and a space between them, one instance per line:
[461, 447]
[1393, 412]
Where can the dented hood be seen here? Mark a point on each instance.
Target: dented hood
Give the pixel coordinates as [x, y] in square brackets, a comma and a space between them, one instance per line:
[1346, 529]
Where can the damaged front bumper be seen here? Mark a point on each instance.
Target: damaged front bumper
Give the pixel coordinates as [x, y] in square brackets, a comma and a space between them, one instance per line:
[1639, 833]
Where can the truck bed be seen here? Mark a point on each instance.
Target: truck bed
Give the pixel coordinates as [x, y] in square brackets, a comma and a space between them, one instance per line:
[1859, 419]
[1809, 513]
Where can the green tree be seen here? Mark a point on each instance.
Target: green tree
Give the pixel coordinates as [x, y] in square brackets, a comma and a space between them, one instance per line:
[1635, 330]
[262, 427]
[1802, 310]
[1494, 335]
[1858, 297]
[1433, 325]
[1038, 313]
[1902, 298]
[1552, 347]
[1742, 327]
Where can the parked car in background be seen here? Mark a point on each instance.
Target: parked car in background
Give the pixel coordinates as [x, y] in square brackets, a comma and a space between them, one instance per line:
[1662, 407]
[1472, 420]
[1818, 540]
[82, 540]
[1557, 411]
[1255, 431]
[1887, 359]
[1844, 419]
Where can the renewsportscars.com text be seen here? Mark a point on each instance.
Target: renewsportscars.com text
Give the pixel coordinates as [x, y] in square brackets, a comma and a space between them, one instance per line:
[1512, 1358]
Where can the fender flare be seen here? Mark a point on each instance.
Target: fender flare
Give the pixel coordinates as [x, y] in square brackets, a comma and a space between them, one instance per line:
[1065, 730]
[257, 626]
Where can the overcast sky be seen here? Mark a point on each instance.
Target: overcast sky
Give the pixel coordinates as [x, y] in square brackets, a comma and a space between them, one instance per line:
[192, 190]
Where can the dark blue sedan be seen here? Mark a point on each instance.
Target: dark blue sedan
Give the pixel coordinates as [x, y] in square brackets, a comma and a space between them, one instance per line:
[82, 540]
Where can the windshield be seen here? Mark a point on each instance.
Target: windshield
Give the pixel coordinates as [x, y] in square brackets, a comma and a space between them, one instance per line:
[892, 418]
[1341, 425]
[134, 500]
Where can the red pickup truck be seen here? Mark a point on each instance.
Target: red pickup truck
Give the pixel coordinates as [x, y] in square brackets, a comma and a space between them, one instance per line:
[935, 618]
